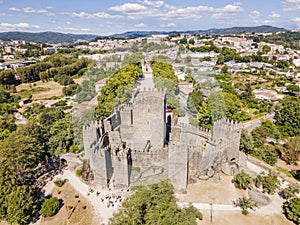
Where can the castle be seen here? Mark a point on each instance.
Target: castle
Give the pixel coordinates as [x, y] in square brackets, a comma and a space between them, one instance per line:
[139, 144]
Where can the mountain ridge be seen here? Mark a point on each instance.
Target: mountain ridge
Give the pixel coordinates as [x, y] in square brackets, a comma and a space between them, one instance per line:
[68, 38]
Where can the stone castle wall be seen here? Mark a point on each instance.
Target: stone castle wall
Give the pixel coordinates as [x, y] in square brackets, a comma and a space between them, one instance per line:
[140, 128]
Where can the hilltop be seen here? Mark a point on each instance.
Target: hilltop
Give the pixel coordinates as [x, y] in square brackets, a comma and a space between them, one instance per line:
[55, 37]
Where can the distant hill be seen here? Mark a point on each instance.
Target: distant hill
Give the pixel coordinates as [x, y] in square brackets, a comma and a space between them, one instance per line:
[232, 30]
[237, 30]
[46, 37]
[54, 37]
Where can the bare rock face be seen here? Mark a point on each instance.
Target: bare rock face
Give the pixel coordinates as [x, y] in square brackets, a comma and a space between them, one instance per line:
[260, 198]
[230, 168]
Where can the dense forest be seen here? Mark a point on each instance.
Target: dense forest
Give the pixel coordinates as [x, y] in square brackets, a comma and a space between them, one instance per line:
[57, 66]
[23, 150]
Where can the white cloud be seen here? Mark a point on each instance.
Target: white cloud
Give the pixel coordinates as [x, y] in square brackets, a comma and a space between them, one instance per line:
[169, 25]
[254, 14]
[170, 7]
[129, 8]
[195, 12]
[98, 15]
[17, 26]
[1, 1]
[274, 15]
[291, 5]
[140, 25]
[297, 20]
[223, 16]
[235, 8]
[32, 10]
[14, 9]
[5, 14]
[187, 13]
[156, 4]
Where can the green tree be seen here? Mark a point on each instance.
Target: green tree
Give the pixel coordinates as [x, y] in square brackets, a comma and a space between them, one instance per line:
[191, 41]
[21, 205]
[50, 207]
[183, 41]
[119, 84]
[288, 117]
[246, 142]
[7, 77]
[204, 116]
[266, 49]
[269, 183]
[292, 210]
[133, 59]
[245, 203]
[293, 87]
[194, 101]
[289, 151]
[267, 153]
[154, 204]
[291, 191]
[242, 180]
[61, 138]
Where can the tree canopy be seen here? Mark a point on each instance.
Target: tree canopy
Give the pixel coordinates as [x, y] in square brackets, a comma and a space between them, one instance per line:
[154, 204]
[50, 207]
[288, 117]
[118, 90]
[292, 210]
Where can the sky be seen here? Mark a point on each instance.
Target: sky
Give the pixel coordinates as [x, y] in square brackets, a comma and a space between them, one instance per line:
[105, 17]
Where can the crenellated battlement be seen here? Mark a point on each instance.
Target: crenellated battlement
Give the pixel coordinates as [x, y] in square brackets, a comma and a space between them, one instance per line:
[161, 90]
[92, 125]
[194, 129]
[125, 108]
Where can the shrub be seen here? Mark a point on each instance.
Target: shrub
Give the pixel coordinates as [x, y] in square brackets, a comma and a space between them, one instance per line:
[242, 180]
[245, 212]
[60, 182]
[291, 191]
[245, 203]
[79, 172]
[269, 183]
[136, 168]
[50, 207]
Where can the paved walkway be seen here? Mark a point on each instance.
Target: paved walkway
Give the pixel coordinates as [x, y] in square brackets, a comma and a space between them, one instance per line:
[208, 206]
[147, 81]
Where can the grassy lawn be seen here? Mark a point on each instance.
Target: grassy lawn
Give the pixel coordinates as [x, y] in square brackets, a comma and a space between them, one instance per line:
[40, 90]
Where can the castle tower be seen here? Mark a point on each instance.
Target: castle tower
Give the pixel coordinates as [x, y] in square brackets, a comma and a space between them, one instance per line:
[145, 120]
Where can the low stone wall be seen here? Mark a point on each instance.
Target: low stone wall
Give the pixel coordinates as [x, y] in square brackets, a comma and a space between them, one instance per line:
[270, 168]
